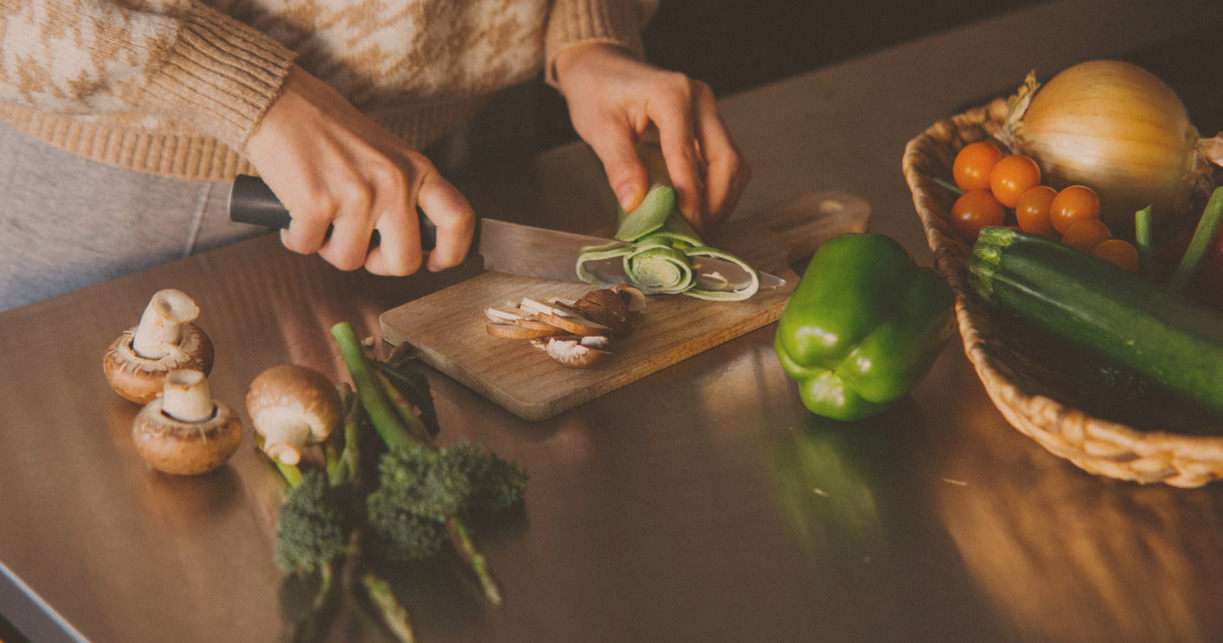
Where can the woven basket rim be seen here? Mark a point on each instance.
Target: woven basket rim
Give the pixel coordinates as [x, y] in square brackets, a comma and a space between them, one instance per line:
[1096, 445]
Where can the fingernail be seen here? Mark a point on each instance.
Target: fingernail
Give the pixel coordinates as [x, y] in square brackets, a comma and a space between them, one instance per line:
[627, 195]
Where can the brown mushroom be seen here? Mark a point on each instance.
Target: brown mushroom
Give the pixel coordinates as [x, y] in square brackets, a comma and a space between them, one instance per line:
[632, 296]
[292, 406]
[608, 308]
[575, 333]
[137, 362]
[185, 431]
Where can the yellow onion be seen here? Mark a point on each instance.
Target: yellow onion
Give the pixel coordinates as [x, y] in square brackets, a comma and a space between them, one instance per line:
[1119, 130]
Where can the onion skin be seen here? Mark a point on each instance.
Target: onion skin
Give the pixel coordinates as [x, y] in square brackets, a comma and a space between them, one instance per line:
[1117, 129]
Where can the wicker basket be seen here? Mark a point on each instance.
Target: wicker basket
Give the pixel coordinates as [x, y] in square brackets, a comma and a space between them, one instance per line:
[1179, 454]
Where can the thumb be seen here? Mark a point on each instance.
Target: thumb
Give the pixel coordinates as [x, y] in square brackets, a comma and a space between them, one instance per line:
[625, 172]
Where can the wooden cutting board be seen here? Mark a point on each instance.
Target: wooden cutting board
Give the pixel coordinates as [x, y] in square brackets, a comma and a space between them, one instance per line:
[447, 326]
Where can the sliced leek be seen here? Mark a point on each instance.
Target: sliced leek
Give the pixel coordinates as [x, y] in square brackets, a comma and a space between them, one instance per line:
[660, 253]
[648, 217]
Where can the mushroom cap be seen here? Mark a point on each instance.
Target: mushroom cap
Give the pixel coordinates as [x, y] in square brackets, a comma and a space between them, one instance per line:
[186, 448]
[294, 404]
[606, 307]
[141, 379]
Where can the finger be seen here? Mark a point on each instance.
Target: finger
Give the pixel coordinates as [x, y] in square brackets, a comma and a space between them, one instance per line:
[398, 252]
[678, 142]
[351, 230]
[626, 173]
[726, 173]
[308, 224]
[454, 218]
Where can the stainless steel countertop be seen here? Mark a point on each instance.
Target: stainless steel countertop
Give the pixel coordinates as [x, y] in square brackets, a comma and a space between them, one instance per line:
[701, 503]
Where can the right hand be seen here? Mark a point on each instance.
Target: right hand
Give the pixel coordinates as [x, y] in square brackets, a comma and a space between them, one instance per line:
[332, 166]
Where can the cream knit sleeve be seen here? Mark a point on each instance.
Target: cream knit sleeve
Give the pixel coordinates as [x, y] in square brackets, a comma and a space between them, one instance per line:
[575, 22]
[174, 59]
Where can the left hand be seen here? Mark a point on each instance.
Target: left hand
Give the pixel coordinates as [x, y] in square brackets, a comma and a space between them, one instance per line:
[615, 100]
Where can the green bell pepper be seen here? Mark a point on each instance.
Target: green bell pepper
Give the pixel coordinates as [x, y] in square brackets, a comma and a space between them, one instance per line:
[863, 326]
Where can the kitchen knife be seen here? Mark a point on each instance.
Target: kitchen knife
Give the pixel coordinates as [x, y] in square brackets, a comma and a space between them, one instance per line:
[503, 246]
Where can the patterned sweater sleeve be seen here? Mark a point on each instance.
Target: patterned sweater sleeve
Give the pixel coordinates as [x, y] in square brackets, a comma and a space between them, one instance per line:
[169, 58]
[575, 22]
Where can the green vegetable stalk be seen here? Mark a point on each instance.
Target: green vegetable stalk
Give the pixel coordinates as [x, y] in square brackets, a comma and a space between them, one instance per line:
[318, 531]
[425, 493]
[863, 327]
[345, 522]
[1199, 245]
[660, 252]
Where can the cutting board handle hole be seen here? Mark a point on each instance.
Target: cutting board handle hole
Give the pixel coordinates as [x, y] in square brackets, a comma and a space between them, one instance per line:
[809, 209]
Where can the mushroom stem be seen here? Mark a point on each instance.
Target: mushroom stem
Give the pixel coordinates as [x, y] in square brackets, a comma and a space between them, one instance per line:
[160, 325]
[284, 435]
[292, 406]
[187, 396]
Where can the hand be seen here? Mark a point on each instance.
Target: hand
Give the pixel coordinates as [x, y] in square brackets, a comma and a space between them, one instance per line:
[615, 100]
[333, 167]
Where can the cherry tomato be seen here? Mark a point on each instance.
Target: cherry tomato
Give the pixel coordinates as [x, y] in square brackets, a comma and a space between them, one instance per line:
[1032, 210]
[1086, 234]
[975, 210]
[1119, 252]
[973, 164]
[1012, 176]
[1073, 203]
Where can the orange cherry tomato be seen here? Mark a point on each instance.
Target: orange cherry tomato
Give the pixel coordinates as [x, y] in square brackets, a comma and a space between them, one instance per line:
[1073, 203]
[1119, 252]
[975, 210]
[1012, 176]
[1086, 234]
[1032, 210]
[973, 164]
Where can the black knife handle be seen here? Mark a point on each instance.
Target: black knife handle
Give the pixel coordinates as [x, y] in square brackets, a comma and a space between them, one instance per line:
[252, 201]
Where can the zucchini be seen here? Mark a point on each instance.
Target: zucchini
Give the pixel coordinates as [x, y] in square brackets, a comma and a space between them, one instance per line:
[1103, 310]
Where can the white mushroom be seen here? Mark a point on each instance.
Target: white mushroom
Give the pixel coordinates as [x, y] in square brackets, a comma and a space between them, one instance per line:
[570, 351]
[506, 314]
[137, 362]
[185, 431]
[292, 407]
[567, 318]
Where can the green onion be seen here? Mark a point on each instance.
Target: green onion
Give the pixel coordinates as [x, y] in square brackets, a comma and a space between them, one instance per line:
[1142, 235]
[1203, 236]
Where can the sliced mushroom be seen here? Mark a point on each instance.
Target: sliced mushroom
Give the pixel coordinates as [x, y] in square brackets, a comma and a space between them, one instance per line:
[573, 332]
[571, 351]
[137, 362]
[520, 331]
[607, 308]
[632, 295]
[507, 314]
[185, 431]
[571, 320]
[292, 406]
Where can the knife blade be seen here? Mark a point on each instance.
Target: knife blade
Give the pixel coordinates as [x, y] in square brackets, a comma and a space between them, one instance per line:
[503, 246]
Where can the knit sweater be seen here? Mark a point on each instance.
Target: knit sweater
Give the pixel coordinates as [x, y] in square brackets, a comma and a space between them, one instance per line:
[176, 87]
